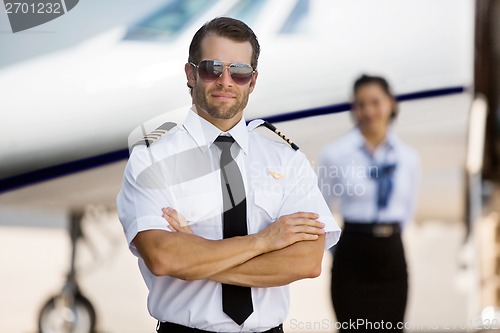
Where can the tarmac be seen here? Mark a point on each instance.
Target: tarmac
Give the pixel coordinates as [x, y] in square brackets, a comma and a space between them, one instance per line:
[35, 261]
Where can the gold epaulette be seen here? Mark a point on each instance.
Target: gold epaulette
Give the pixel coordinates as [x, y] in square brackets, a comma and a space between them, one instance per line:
[149, 138]
[260, 122]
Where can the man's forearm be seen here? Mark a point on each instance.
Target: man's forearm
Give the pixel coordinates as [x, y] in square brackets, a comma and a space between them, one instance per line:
[298, 261]
[190, 257]
[183, 255]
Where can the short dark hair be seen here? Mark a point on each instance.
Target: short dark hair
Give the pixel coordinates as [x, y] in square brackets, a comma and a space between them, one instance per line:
[364, 80]
[225, 27]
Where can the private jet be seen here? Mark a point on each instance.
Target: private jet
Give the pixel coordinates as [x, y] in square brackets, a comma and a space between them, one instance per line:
[69, 118]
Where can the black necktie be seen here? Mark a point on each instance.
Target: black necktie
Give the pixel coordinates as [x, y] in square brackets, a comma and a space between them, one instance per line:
[236, 300]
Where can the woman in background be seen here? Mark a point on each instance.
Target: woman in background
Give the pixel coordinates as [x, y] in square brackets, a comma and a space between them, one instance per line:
[373, 177]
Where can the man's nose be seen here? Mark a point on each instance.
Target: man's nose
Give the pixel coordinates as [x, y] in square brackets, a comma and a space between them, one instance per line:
[225, 78]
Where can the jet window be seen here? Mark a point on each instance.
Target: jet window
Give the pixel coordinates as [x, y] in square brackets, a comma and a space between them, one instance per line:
[297, 22]
[247, 10]
[166, 23]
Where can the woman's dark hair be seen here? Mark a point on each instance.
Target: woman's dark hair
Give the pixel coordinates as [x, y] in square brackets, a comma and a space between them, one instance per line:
[364, 80]
[225, 27]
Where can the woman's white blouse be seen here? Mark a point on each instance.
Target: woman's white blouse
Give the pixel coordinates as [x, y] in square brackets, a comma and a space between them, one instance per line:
[348, 173]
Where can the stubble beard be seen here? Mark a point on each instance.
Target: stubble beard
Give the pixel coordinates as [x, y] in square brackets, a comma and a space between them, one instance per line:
[226, 110]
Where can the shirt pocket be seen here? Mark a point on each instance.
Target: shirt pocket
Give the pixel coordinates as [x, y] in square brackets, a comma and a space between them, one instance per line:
[268, 204]
[203, 214]
[198, 207]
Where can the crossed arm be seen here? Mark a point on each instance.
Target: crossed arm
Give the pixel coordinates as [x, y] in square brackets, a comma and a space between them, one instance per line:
[289, 249]
[298, 261]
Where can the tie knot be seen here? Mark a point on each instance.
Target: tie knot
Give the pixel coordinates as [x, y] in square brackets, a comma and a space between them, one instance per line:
[224, 142]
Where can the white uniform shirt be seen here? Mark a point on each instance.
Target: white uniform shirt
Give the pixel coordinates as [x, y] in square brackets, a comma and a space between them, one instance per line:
[347, 172]
[181, 170]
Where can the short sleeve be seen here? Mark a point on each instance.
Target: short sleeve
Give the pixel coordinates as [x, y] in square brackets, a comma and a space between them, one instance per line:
[143, 194]
[303, 194]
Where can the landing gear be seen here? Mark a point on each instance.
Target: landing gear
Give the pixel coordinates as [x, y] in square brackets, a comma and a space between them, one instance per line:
[70, 311]
[60, 314]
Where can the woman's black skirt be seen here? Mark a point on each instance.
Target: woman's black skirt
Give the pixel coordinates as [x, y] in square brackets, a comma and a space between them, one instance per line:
[369, 279]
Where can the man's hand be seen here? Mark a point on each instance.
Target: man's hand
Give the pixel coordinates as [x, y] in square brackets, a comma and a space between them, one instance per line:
[290, 229]
[176, 221]
[287, 230]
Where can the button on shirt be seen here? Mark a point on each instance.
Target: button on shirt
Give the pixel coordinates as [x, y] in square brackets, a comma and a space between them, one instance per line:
[346, 177]
[181, 170]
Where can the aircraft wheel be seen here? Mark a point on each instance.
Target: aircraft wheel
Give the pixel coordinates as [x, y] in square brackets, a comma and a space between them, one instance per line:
[57, 317]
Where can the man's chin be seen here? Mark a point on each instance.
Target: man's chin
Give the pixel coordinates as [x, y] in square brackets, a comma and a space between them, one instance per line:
[220, 112]
[224, 116]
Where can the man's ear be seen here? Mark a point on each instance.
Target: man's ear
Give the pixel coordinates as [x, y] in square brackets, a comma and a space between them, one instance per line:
[253, 81]
[190, 75]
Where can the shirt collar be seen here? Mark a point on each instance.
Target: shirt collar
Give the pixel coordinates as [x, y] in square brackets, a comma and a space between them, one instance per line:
[390, 141]
[204, 133]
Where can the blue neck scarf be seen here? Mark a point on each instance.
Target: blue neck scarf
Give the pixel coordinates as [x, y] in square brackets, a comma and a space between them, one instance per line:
[384, 176]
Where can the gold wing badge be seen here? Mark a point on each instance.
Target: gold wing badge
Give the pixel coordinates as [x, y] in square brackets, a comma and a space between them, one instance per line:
[276, 175]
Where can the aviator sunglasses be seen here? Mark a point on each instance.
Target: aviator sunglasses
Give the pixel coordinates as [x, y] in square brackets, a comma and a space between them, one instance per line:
[211, 70]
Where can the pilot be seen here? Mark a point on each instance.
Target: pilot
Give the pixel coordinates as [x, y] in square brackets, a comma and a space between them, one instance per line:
[221, 218]
[373, 176]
